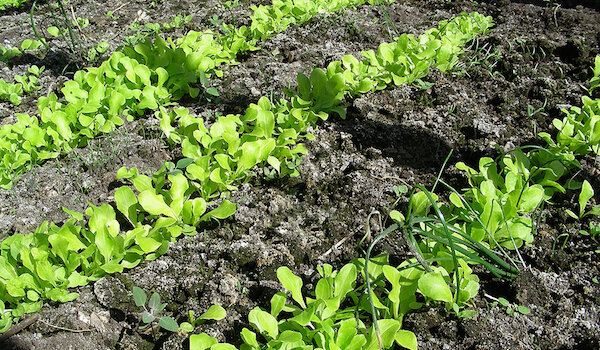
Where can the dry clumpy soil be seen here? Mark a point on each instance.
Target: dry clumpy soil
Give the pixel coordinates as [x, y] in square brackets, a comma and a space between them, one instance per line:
[538, 54]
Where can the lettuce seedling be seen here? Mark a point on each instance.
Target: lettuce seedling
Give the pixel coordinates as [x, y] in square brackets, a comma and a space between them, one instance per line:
[152, 308]
[586, 194]
[215, 312]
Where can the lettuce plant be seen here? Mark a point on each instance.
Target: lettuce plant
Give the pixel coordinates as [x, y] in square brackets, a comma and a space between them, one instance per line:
[12, 92]
[6, 54]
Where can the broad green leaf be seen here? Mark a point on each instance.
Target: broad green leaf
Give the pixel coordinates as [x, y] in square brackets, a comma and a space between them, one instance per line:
[63, 125]
[116, 102]
[249, 337]
[112, 267]
[587, 192]
[406, 339]
[223, 346]
[274, 162]
[44, 271]
[388, 329]
[105, 244]
[215, 312]
[289, 336]
[179, 184]
[147, 317]
[277, 303]
[77, 280]
[53, 31]
[393, 276]
[148, 245]
[292, 283]
[264, 322]
[154, 204]
[223, 211]
[186, 327]
[323, 289]
[419, 203]
[304, 86]
[154, 302]
[193, 209]
[397, 216]
[33, 295]
[523, 310]
[168, 323]
[344, 280]
[139, 296]
[433, 286]
[126, 201]
[255, 152]
[201, 341]
[531, 198]
[346, 333]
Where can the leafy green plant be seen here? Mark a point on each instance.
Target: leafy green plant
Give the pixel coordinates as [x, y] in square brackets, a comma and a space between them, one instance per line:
[337, 314]
[215, 312]
[81, 22]
[176, 22]
[593, 232]
[503, 196]
[11, 92]
[5, 4]
[111, 15]
[578, 132]
[152, 308]
[6, 54]
[97, 51]
[595, 80]
[511, 309]
[587, 193]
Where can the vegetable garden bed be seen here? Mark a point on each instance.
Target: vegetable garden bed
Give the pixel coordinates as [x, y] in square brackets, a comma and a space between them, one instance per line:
[423, 152]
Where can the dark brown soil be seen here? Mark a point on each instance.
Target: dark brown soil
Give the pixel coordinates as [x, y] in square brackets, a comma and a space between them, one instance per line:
[538, 54]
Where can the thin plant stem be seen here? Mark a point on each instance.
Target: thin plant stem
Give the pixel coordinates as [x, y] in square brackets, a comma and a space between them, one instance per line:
[35, 32]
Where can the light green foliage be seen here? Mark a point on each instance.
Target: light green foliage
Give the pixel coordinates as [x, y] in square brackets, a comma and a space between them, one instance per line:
[13, 92]
[587, 193]
[5, 4]
[176, 22]
[337, 314]
[579, 131]
[215, 312]
[6, 54]
[174, 200]
[503, 196]
[595, 81]
[269, 20]
[152, 74]
[97, 50]
[81, 22]
[143, 32]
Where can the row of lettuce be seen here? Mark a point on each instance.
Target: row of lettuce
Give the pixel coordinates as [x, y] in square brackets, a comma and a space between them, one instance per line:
[44, 265]
[477, 224]
[137, 80]
[7, 4]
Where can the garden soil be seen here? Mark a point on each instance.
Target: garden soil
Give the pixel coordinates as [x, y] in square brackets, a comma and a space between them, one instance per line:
[510, 85]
